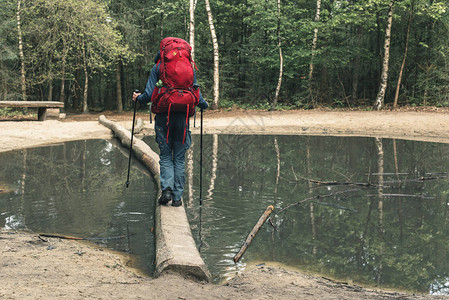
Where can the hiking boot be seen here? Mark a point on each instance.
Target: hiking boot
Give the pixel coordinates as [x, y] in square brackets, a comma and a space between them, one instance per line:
[176, 203]
[165, 197]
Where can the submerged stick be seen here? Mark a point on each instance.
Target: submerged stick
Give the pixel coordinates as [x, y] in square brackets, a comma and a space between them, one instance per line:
[364, 184]
[318, 197]
[67, 237]
[253, 232]
[417, 179]
[400, 195]
[325, 183]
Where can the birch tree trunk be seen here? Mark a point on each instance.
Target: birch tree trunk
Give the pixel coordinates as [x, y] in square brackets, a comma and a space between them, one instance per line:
[119, 86]
[384, 76]
[192, 27]
[86, 81]
[314, 42]
[50, 90]
[281, 59]
[22, 57]
[64, 59]
[216, 57]
[398, 86]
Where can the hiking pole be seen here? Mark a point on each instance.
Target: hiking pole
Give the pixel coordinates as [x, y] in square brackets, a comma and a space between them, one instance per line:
[201, 159]
[132, 135]
[194, 119]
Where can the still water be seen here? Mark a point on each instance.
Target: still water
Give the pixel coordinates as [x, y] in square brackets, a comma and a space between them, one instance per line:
[78, 189]
[389, 227]
[390, 233]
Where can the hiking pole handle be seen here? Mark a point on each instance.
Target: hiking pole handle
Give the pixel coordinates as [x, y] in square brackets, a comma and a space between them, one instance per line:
[132, 135]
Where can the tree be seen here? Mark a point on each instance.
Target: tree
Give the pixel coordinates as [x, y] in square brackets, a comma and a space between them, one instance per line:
[22, 57]
[9, 77]
[192, 7]
[314, 42]
[64, 36]
[100, 43]
[326, 59]
[216, 56]
[398, 85]
[384, 76]
[281, 58]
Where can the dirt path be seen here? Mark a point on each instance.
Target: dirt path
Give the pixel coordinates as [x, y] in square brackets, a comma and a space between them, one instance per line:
[34, 268]
[426, 125]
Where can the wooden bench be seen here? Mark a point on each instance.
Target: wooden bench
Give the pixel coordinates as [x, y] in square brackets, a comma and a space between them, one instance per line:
[41, 106]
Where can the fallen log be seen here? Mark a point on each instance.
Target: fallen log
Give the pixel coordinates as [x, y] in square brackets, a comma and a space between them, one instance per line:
[253, 232]
[140, 149]
[175, 247]
[138, 127]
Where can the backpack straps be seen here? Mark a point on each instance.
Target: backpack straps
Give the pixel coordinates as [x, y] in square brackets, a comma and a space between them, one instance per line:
[187, 123]
[168, 121]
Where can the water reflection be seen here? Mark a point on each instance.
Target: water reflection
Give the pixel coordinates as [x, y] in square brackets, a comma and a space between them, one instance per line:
[78, 188]
[391, 233]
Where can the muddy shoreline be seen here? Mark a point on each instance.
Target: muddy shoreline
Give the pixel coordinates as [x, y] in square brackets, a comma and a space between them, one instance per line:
[36, 268]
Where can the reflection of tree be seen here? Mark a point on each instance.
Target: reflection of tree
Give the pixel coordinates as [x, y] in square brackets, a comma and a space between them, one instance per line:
[278, 169]
[323, 236]
[189, 170]
[380, 170]
[396, 169]
[312, 215]
[213, 172]
[83, 166]
[65, 169]
[22, 185]
[72, 185]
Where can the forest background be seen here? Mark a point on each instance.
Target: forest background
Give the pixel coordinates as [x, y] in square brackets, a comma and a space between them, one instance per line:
[266, 54]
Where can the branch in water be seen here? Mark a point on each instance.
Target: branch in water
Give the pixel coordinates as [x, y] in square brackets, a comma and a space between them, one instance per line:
[401, 195]
[364, 184]
[316, 197]
[66, 237]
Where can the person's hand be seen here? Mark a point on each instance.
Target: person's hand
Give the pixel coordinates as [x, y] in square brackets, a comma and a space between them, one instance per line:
[135, 95]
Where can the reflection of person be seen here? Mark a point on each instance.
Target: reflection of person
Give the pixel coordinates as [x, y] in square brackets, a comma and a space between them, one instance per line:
[172, 146]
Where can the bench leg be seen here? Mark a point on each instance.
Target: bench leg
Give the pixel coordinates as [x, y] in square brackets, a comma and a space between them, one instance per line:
[42, 113]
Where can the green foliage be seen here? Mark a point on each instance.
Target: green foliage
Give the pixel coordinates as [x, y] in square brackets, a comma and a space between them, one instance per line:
[347, 60]
[11, 112]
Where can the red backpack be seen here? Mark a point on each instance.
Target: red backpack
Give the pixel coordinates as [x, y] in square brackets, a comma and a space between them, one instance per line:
[176, 73]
